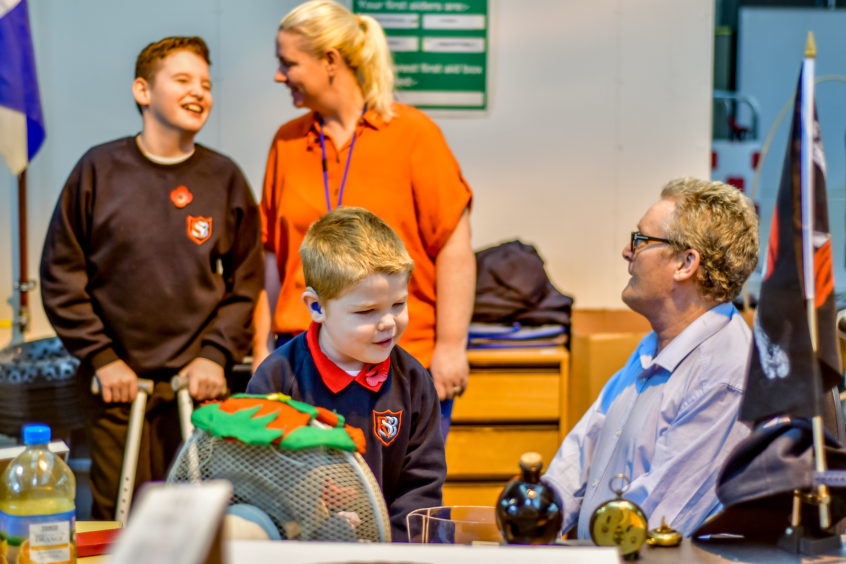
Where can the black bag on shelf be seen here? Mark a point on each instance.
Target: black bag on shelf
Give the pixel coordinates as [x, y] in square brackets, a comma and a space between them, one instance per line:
[512, 287]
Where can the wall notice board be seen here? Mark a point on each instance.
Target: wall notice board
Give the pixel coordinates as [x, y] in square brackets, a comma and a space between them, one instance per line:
[440, 50]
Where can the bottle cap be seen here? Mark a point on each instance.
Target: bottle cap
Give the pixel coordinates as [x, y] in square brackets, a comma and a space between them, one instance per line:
[36, 434]
[531, 461]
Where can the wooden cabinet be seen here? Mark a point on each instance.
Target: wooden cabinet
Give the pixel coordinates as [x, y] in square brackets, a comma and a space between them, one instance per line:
[516, 402]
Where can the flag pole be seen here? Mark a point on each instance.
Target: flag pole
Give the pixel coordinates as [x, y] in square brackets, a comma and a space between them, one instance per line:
[808, 258]
[20, 320]
[24, 123]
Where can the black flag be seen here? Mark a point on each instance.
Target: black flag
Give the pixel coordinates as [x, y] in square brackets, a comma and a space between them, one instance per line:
[786, 376]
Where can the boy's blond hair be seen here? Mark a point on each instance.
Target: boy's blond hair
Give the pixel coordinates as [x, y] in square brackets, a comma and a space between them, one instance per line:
[347, 245]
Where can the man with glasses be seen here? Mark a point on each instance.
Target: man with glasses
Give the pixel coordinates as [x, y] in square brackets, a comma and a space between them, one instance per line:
[668, 418]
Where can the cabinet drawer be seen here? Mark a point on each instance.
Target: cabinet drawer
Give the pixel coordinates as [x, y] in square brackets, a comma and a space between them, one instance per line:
[554, 357]
[493, 452]
[509, 396]
[473, 493]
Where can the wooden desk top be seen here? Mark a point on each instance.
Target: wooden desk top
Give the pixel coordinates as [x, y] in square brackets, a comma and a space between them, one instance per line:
[731, 551]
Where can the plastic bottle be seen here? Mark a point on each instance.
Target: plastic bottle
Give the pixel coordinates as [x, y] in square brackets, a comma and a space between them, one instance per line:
[529, 511]
[37, 511]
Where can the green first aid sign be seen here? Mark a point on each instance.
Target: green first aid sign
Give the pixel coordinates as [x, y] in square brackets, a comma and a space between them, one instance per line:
[440, 50]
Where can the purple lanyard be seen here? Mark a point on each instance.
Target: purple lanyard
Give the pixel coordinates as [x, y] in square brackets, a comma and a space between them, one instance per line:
[325, 171]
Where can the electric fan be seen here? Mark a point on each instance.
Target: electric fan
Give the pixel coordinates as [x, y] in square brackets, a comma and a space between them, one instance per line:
[297, 463]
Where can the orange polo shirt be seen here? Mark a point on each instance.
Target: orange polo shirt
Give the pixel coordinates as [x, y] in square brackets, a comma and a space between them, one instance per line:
[402, 170]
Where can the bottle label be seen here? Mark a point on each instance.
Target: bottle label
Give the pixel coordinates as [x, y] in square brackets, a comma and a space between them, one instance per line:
[40, 539]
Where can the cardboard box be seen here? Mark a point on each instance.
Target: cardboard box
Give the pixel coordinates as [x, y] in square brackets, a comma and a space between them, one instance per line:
[7, 454]
[601, 342]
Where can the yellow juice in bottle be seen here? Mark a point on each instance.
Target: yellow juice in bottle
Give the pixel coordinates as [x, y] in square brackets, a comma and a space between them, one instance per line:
[37, 510]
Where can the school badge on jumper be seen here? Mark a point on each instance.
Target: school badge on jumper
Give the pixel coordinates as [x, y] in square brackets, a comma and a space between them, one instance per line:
[386, 425]
[181, 197]
[199, 229]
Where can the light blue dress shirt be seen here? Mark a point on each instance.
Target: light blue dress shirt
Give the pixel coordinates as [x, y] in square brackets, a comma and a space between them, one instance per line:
[667, 422]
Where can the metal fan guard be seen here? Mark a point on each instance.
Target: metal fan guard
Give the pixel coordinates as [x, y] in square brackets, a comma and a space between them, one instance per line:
[312, 494]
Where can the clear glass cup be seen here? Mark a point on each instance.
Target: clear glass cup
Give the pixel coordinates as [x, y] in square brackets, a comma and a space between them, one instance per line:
[455, 524]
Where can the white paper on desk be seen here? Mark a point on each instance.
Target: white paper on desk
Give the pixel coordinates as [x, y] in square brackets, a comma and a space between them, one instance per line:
[173, 523]
[299, 552]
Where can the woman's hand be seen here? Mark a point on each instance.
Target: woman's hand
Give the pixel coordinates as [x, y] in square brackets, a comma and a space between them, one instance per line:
[449, 370]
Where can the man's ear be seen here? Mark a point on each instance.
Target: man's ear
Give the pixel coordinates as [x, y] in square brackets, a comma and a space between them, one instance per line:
[312, 303]
[141, 91]
[687, 266]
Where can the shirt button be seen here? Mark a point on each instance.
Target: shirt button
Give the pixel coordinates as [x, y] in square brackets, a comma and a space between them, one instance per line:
[619, 432]
[593, 484]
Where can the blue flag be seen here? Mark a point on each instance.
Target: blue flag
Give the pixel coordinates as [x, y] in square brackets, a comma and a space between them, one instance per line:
[21, 120]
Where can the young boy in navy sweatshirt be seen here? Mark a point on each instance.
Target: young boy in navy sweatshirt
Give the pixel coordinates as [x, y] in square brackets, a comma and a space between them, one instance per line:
[356, 272]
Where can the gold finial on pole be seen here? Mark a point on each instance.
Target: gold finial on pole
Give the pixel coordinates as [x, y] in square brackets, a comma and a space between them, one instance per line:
[810, 46]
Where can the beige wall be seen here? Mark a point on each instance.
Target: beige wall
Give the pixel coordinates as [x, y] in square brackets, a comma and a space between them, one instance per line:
[593, 105]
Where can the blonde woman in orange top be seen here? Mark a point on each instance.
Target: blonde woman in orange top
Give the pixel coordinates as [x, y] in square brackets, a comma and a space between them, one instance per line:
[358, 147]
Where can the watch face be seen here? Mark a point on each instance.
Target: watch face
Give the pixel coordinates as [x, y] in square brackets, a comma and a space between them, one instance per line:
[619, 523]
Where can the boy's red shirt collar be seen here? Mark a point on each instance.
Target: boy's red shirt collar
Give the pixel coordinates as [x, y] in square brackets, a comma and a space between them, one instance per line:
[372, 376]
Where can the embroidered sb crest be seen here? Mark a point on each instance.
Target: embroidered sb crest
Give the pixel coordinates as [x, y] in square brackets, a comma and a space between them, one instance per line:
[199, 229]
[386, 425]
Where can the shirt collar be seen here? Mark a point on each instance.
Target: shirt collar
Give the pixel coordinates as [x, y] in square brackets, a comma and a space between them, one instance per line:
[693, 335]
[373, 119]
[371, 376]
[370, 118]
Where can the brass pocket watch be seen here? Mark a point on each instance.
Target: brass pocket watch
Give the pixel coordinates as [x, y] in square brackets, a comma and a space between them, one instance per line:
[619, 522]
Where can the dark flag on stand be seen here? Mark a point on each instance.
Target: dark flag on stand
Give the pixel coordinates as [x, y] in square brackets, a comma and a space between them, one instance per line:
[786, 376]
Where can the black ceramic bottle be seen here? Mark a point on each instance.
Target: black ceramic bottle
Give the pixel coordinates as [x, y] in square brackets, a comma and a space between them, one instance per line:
[529, 511]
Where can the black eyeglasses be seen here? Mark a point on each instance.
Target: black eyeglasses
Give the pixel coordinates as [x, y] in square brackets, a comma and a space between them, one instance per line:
[639, 238]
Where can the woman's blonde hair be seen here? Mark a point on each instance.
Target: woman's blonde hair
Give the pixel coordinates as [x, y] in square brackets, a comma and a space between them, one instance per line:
[325, 24]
